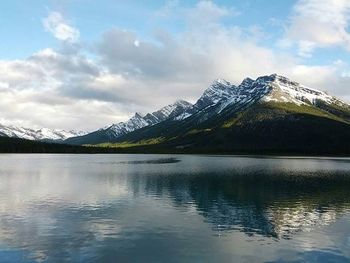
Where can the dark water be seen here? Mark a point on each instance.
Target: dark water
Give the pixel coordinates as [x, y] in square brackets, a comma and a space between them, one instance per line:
[168, 208]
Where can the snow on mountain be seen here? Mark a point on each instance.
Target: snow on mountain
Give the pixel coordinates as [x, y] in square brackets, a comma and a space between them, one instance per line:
[279, 89]
[45, 134]
[221, 94]
[248, 92]
[139, 121]
[219, 90]
[285, 90]
[39, 134]
[183, 116]
[134, 123]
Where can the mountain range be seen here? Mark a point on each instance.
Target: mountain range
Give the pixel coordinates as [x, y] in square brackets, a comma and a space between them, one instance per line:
[270, 114]
[138, 121]
[43, 134]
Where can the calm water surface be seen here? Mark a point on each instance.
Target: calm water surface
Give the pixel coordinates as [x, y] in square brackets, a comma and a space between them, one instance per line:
[173, 208]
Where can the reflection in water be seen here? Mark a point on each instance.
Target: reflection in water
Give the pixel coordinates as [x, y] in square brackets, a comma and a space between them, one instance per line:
[106, 208]
[261, 203]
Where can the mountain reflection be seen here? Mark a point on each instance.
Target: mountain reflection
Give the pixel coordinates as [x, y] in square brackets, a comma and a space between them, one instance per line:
[273, 205]
[110, 208]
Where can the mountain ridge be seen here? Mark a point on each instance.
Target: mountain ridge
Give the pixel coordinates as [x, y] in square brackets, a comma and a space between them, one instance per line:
[138, 121]
[257, 109]
[42, 134]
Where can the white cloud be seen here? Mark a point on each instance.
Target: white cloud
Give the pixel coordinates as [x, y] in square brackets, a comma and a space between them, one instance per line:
[56, 25]
[208, 12]
[305, 48]
[316, 23]
[203, 14]
[56, 90]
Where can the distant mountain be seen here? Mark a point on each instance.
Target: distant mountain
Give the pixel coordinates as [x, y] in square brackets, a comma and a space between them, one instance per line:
[111, 133]
[269, 114]
[43, 134]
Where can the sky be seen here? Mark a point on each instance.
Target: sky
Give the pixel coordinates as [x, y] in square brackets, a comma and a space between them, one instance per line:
[85, 64]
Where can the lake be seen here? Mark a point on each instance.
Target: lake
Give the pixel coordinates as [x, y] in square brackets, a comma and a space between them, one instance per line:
[173, 208]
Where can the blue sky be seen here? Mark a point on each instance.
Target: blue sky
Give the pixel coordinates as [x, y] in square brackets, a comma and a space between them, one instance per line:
[22, 19]
[79, 59]
[23, 22]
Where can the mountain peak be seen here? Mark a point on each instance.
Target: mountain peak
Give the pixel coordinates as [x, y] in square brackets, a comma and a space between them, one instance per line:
[283, 79]
[275, 75]
[137, 115]
[283, 89]
[219, 90]
[276, 88]
[266, 78]
[183, 103]
[220, 81]
[247, 82]
[277, 78]
[172, 110]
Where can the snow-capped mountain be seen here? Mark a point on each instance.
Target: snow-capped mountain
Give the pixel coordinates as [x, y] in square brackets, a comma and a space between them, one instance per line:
[269, 114]
[43, 134]
[138, 121]
[222, 94]
[220, 90]
[281, 89]
[219, 101]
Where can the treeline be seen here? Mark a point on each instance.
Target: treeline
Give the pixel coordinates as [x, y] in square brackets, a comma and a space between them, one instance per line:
[16, 145]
